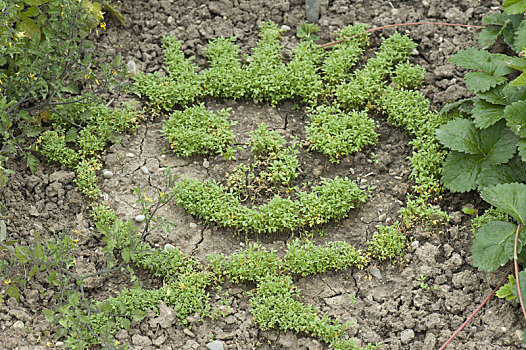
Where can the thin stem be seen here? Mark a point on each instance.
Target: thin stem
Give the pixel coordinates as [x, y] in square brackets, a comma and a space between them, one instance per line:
[516, 265]
[474, 313]
[398, 25]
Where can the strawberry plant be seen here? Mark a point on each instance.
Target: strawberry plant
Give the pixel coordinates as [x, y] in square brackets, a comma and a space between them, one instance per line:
[487, 144]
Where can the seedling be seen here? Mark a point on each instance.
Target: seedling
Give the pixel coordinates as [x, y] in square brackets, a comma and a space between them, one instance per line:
[306, 31]
[422, 285]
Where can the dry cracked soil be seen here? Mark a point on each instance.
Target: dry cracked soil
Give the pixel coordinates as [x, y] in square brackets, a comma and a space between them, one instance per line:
[385, 303]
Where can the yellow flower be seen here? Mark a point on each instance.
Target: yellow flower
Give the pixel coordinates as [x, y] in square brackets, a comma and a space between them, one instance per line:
[103, 25]
[20, 34]
[7, 281]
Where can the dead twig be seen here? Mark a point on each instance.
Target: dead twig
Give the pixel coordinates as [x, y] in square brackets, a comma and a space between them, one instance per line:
[474, 313]
[398, 25]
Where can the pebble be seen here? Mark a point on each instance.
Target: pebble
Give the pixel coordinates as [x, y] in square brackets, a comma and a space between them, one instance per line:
[382, 217]
[140, 218]
[285, 27]
[215, 345]
[351, 170]
[170, 20]
[107, 174]
[518, 334]
[132, 67]
[168, 246]
[375, 272]
[415, 245]
[206, 163]
[130, 155]
[18, 324]
[145, 170]
[193, 225]
[407, 335]
[189, 332]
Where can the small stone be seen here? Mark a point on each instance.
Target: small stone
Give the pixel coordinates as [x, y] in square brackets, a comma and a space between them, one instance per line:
[33, 211]
[193, 225]
[351, 170]
[363, 181]
[107, 174]
[415, 245]
[415, 52]
[170, 20]
[518, 334]
[160, 340]
[138, 339]
[206, 163]
[382, 217]
[131, 67]
[375, 272]
[215, 345]
[130, 155]
[18, 325]
[285, 27]
[122, 334]
[145, 170]
[407, 335]
[168, 246]
[140, 218]
[189, 332]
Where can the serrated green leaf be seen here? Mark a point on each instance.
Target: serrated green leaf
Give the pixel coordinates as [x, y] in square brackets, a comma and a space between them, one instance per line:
[486, 114]
[515, 115]
[489, 35]
[460, 135]
[125, 323]
[514, 6]
[461, 170]
[522, 282]
[522, 149]
[496, 19]
[32, 163]
[30, 12]
[518, 63]
[506, 291]
[29, 27]
[482, 81]
[498, 143]
[512, 171]
[138, 315]
[471, 58]
[520, 81]
[13, 292]
[493, 245]
[465, 105]
[71, 135]
[49, 314]
[519, 42]
[504, 95]
[510, 198]
[126, 255]
[482, 60]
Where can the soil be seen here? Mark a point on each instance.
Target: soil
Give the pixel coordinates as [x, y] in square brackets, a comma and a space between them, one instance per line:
[385, 303]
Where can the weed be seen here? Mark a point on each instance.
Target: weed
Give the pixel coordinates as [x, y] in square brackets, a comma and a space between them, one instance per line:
[423, 285]
[306, 31]
[388, 242]
[418, 210]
